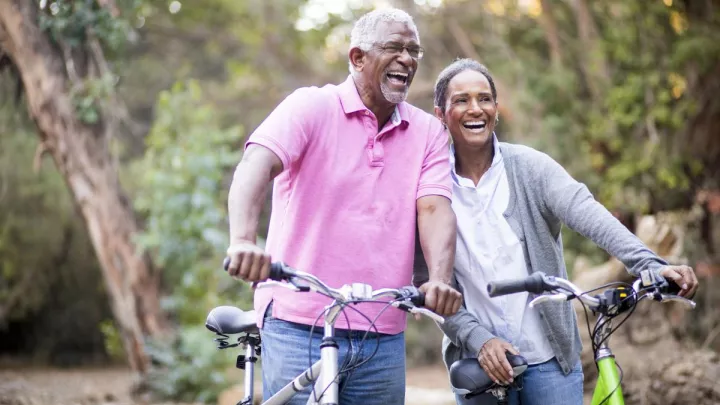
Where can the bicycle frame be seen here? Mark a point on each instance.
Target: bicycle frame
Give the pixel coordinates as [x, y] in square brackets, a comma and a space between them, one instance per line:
[608, 380]
[324, 371]
[607, 387]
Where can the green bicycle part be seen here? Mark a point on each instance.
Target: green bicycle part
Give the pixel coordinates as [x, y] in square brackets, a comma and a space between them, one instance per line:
[608, 380]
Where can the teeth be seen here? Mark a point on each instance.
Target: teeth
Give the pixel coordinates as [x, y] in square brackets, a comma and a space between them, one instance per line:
[475, 124]
[403, 75]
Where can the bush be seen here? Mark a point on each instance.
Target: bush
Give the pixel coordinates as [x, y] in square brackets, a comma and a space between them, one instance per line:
[178, 186]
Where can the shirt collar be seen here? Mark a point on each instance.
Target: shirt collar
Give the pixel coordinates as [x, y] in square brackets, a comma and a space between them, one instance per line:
[497, 158]
[352, 103]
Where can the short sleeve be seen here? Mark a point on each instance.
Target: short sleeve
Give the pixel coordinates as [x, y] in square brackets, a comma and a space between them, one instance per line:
[435, 173]
[288, 127]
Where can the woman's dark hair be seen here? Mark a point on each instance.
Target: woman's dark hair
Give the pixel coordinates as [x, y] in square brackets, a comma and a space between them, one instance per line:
[460, 65]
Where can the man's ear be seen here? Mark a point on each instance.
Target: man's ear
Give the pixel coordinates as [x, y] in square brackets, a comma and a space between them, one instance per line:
[357, 58]
[439, 114]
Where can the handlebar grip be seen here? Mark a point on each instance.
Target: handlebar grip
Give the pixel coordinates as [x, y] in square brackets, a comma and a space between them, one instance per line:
[534, 284]
[670, 288]
[416, 296]
[419, 299]
[279, 271]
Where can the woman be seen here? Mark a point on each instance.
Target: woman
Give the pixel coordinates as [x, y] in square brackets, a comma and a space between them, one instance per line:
[510, 202]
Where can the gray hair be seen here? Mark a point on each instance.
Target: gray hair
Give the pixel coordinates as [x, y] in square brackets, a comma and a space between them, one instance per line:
[363, 34]
[455, 68]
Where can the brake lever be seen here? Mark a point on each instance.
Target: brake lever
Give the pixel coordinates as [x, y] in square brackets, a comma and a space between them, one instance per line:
[273, 283]
[686, 302]
[430, 314]
[549, 297]
[417, 310]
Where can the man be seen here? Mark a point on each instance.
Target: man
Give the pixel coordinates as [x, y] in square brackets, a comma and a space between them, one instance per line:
[353, 165]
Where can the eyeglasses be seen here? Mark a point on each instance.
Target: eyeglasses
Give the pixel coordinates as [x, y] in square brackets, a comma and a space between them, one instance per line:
[396, 48]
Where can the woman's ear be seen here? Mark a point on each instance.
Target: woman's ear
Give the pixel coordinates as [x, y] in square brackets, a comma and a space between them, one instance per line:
[440, 115]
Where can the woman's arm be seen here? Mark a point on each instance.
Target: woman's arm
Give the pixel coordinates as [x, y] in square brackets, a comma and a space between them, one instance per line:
[572, 202]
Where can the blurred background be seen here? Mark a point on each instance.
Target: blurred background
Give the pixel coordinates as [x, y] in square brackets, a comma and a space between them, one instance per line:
[121, 122]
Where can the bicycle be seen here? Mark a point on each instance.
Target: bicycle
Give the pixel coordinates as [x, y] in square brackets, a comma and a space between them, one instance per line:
[617, 299]
[324, 374]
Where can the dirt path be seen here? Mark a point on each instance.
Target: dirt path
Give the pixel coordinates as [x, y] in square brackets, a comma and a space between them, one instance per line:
[110, 386]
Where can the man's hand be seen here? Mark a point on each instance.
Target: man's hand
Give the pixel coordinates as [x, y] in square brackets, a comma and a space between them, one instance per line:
[683, 276]
[441, 298]
[248, 262]
[493, 360]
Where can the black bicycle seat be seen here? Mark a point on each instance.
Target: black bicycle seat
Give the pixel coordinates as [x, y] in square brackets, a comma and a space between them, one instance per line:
[467, 377]
[229, 320]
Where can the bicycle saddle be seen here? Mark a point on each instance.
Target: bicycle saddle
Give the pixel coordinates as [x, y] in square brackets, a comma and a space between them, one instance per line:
[229, 320]
[467, 377]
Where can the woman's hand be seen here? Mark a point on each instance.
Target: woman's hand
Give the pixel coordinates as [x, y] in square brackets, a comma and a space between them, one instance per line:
[684, 277]
[493, 360]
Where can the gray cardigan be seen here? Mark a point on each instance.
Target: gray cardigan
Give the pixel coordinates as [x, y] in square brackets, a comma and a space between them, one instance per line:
[543, 196]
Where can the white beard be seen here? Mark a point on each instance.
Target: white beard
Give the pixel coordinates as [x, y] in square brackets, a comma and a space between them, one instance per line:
[393, 96]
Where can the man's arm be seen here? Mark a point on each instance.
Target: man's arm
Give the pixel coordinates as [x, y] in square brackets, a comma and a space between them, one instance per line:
[247, 194]
[437, 230]
[274, 146]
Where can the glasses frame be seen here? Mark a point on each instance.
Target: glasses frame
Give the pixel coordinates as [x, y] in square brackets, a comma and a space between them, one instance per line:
[397, 48]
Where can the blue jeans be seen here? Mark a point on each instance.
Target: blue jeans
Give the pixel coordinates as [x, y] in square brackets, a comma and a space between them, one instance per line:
[543, 384]
[380, 381]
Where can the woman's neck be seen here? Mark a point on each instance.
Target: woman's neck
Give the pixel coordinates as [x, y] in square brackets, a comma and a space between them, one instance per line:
[473, 162]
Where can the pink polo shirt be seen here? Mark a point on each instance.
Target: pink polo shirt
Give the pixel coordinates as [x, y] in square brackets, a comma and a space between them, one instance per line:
[344, 206]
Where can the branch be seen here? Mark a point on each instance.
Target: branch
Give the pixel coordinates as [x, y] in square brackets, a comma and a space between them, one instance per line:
[547, 21]
[594, 65]
[111, 6]
[468, 49]
[40, 151]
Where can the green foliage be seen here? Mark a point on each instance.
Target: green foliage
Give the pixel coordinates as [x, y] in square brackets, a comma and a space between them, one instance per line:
[51, 291]
[23, 196]
[73, 22]
[112, 340]
[179, 190]
[180, 183]
[89, 95]
[612, 117]
[190, 369]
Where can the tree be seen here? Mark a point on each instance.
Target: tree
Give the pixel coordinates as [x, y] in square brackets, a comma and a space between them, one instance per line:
[62, 76]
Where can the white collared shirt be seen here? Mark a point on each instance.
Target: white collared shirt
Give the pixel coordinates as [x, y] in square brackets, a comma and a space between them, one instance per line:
[488, 249]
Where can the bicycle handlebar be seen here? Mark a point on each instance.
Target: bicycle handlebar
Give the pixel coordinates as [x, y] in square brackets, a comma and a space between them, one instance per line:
[356, 292]
[534, 284]
[278, 270]
[537, 283]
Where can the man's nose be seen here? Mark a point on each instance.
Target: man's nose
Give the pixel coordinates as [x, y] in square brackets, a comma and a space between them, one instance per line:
[405, 57]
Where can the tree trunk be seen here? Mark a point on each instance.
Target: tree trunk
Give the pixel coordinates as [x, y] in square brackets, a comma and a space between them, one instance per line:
[82, 156]
[594, 66]
[549, 24]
